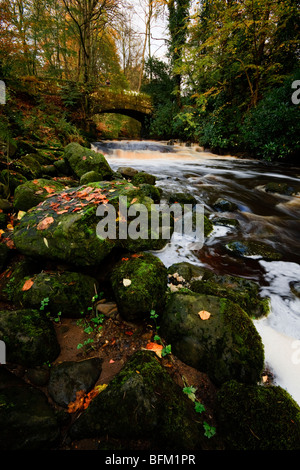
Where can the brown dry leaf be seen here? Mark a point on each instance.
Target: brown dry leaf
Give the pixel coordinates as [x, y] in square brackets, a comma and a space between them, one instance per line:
[204, 315]
[27, 285]
[133, 200]
[43, 224]
[49, 189]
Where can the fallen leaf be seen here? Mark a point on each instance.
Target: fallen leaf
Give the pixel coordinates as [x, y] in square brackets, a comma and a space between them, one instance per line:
[126, 282]
[111, 361]
[43, 224]
[27, 285]
[49, 189]
[155, 347]
[133, 200]
[20, 215]
[204, 315]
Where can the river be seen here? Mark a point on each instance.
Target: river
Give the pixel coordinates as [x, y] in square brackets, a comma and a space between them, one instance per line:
[271, 218]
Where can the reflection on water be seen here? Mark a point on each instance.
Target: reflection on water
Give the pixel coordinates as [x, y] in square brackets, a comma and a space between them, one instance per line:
[268, 217]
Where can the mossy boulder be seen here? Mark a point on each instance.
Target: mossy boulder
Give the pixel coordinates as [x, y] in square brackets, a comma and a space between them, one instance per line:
[83, 160]
[151, 191]
[29, 336]
[244, 292]
[29, 165]
[139, 283]
[65, 227]
[225, 345]
[254, 418]
[142, 402]
[142, 177]
[27, 420]
[68, 293]
[31, 193]
[14, 273]
[182, 198]
[90, 177]
[252, 248]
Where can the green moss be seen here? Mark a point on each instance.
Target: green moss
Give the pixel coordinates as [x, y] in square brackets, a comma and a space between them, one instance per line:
[242, 291]
[147, 290]
[143, 178]
[253, 417]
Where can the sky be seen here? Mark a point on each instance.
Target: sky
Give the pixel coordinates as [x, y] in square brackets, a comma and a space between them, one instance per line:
[159, 29]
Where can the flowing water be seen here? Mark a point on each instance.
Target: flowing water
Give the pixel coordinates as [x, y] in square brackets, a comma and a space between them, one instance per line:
[270, 218]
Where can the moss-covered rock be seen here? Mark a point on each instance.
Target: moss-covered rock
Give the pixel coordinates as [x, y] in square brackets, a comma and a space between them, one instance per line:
[142, 402]
[226, 345]
[182, 198]
[151, 191]
[90, 177]
[242, 291]
[139, 284]
[14, 273]
[252, 248]
[29, 337]
[31, 193]
[253, 417]
[29, 166]
[142, 177]
[83, 160]
[65, 227]
[27, 420]
[68, 293]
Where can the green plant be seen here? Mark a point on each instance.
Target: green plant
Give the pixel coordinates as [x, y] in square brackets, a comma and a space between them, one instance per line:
[190, 391]
[44, 303]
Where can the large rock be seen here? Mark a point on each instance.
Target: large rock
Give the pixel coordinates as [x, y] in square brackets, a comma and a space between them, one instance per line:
[256, 418]
[83, 160]
[253, 249]
[29, 337]
[142, 402]
[213, 335]
[68, 378]
[67, 293]
[139, 283]
[64, 227]
[31, 193]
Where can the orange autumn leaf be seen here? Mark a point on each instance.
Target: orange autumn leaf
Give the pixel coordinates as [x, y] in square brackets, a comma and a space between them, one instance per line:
[27, 285]
[204, 315]
[43, 224]
[49, 190]
[82, 400]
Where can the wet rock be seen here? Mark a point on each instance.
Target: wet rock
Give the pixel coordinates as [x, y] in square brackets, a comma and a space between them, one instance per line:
[153, 407]
[253, 248]
[39, 375]
[256, 418]
[182, 198]
[281, 188]
[4, 255]
[127, 171]
[13, 275]
[151, 191]
[68, 293]
[27, 421]
[70, 377]
[295, 288]
[223, 205]
[226, 345]
[31, 193]
[29, 336]
[224, 221]
[139, 283]
[83, 160]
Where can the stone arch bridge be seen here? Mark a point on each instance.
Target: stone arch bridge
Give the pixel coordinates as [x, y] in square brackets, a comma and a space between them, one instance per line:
[128, 103]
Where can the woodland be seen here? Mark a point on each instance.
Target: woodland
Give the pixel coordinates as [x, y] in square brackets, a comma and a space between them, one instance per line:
[228, 79]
